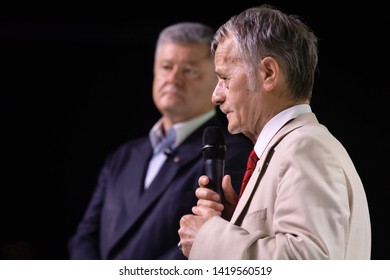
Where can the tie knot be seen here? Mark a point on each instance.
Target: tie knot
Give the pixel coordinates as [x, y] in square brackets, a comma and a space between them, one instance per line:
[165, 142]
[252, 160]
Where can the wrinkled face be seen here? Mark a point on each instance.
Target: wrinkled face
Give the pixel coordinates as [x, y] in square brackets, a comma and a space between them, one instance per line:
[184, 80]
[240, 105]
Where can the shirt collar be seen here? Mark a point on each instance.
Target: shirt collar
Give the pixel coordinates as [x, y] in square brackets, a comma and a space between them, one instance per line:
[182, 130]
[276, 123]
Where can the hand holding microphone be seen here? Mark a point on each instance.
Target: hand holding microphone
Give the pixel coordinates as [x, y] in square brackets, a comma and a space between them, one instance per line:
[213, 149]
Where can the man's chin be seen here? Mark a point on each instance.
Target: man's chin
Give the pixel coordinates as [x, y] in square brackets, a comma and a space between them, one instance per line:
[171, 103]
[233, 129]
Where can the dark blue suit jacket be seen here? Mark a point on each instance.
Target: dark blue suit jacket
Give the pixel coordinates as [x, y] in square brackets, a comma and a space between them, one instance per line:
[123, 221]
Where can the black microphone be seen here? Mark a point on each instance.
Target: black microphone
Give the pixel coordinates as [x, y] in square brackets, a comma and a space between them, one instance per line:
[214, 150]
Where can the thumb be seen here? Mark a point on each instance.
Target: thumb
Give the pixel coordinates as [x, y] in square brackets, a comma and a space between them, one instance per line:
[231, 198]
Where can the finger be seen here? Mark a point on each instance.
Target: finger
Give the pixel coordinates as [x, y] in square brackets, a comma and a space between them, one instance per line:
[231, 198]
[185, 235]
[186, 248]
[206, 212]
[210, 204]
[203, 181]
[228, 190]
[189, 226]
[207, 194]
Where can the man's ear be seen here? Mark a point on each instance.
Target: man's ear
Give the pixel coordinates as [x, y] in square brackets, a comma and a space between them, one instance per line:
[270, 71]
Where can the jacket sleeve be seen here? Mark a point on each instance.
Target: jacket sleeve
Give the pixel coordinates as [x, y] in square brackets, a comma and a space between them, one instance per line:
[84, 244]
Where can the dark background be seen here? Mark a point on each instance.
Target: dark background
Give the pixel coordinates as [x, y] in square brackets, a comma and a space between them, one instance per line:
[76, 83]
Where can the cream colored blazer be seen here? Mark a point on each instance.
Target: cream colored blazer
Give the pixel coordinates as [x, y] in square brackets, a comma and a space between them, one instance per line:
[305, 200]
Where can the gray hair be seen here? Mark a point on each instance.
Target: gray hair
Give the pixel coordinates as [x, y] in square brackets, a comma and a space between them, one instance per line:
[265, 31]
[186, 33]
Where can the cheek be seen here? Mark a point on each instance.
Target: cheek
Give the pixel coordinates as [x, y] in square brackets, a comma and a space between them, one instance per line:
[239, 103]
[243, 107]
[157, 83]
[155, 93]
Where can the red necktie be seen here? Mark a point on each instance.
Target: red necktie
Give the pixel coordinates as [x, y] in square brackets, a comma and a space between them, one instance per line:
[250, 166]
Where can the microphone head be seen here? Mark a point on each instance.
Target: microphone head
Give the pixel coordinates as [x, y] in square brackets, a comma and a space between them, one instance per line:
[213, 143]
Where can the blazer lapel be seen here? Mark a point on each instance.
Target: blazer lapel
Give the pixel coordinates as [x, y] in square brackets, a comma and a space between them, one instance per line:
[262, 165]
[137, 202]
[132, 175]
[254, 181]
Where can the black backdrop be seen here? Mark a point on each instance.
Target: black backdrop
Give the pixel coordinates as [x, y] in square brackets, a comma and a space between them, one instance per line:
[76, 83]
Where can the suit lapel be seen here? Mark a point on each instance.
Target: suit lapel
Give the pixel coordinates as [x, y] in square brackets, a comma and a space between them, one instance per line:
[130, 189]
[134, 210]
[136, 202]
[262, 166]
[254, 181]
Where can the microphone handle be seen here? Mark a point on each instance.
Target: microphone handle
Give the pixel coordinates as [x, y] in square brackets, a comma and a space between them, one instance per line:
[214, 169]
